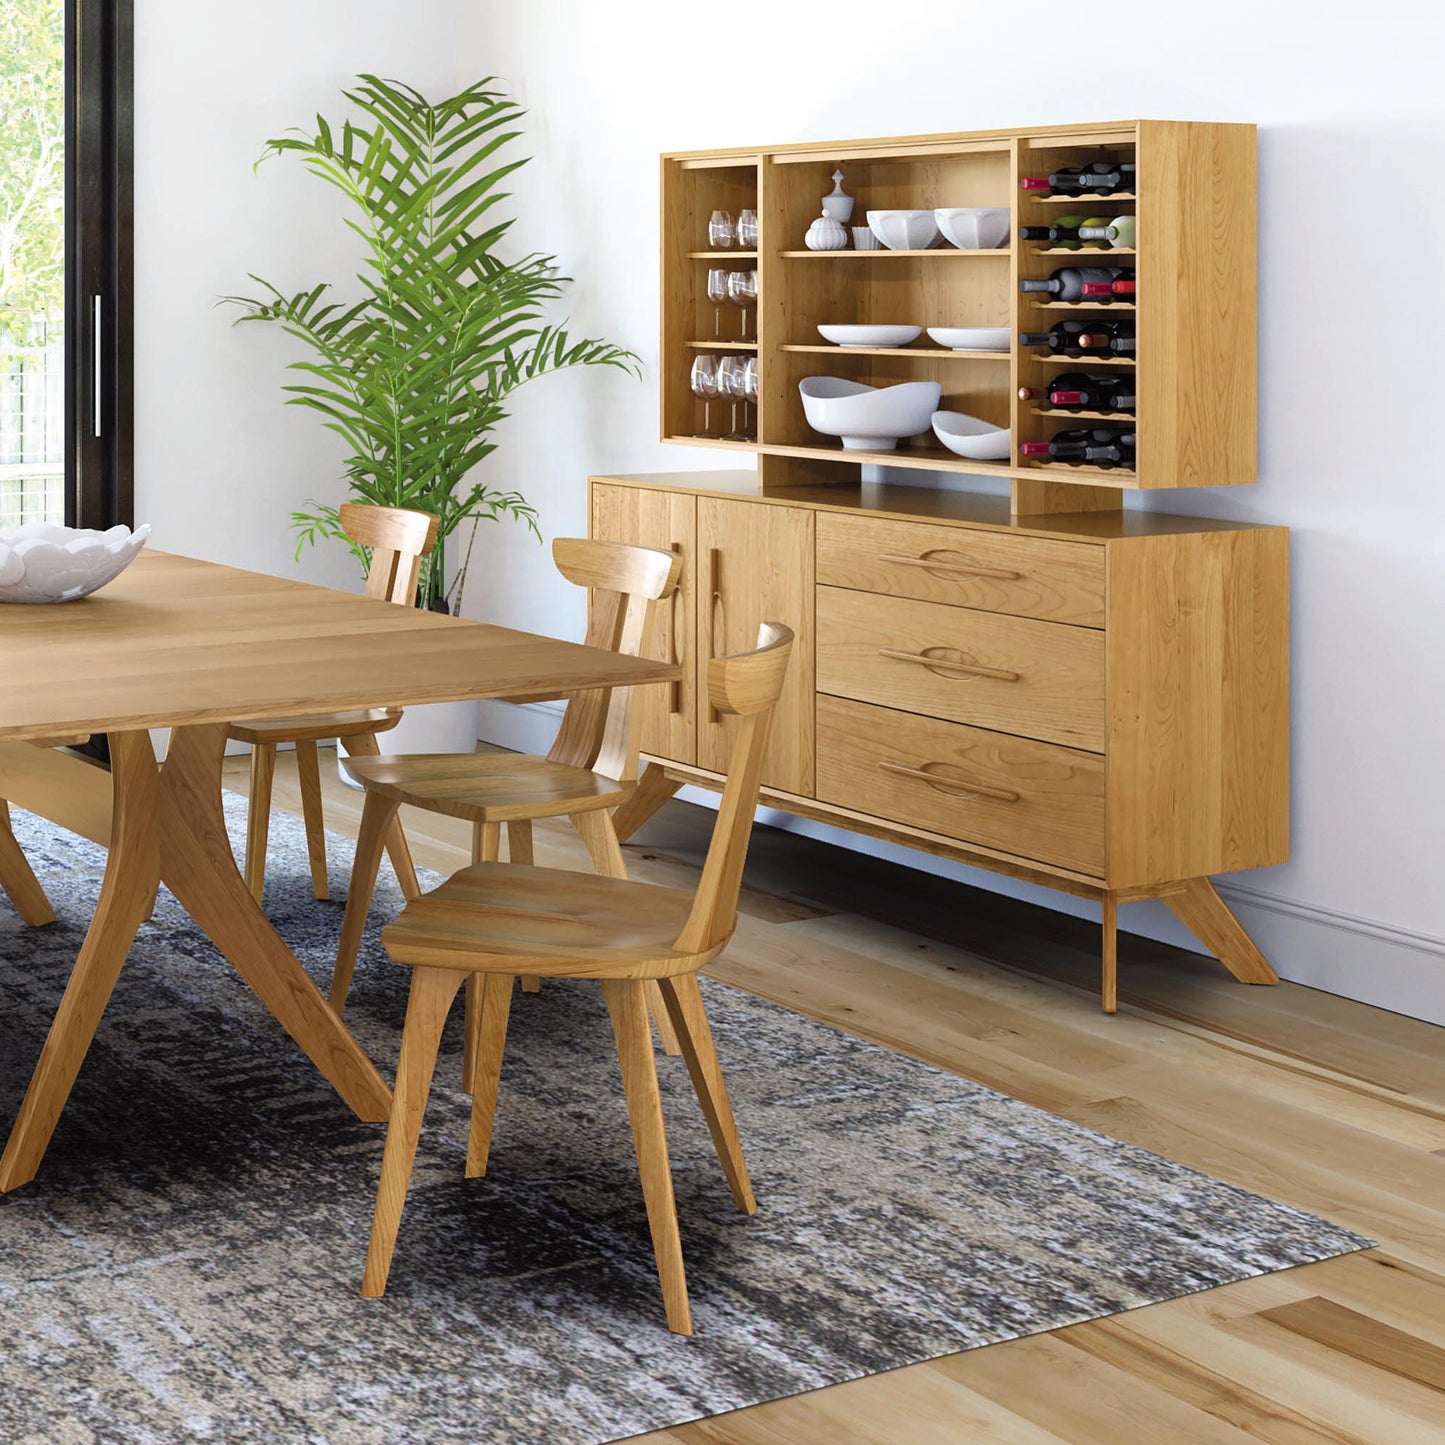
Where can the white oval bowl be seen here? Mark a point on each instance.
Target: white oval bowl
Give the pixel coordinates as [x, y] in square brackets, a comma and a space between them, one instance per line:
[974, 228]
[904, 230]
[43, 562]
[868, 418]
[869, 335]
[966, 435]
[971, 338]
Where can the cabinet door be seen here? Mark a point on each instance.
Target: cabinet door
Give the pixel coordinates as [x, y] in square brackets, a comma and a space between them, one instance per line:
[754, 565]
[668, 520]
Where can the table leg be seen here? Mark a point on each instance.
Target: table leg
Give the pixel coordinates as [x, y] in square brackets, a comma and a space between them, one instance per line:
[198, 866]
[127, 891]
[17, 878]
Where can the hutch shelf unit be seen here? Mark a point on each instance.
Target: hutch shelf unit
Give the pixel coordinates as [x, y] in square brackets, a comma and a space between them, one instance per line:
[1047, 684]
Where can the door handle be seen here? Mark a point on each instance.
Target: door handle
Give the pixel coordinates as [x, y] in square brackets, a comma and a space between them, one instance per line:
[715, 611]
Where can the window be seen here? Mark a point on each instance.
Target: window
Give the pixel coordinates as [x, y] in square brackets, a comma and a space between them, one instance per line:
[65, 204]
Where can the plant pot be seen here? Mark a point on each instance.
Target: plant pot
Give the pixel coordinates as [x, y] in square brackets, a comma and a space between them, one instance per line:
[433, 727]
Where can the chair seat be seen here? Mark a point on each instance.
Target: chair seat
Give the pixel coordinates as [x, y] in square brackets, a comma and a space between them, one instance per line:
[514, 918]
[312, 729]
[488, 787]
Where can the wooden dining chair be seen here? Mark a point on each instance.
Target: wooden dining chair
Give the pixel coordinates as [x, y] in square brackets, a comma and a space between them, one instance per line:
[399, 541]
[18, 879]
[591, 768]
[502, 919]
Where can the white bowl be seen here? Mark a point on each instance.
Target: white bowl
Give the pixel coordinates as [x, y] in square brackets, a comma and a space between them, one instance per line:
[904, 230]
[969, 437]
[972, 338]
[868, 418]
[869, 335]
[43, 562]
[974, 228]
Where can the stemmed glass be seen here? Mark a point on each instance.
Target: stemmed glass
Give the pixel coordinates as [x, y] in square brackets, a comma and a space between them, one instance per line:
[748, 230]
[717, 293]
[743, 292]
[722, 234]
[730, 384]
[750, 396]
[705, 385]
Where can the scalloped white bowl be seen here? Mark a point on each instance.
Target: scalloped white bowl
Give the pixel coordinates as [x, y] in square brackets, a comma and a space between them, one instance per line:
[868, 418]
[42, 562]
[904, 230]
[974, 228]
[970, 437]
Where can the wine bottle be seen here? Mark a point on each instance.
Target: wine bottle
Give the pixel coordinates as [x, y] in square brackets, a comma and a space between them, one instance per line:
[1071, 445]
[1116, 337]
[1065, 233]
[1063, 338]
[1118, 451]
[1123, 287]
[1121, 231]
[1098, 178]
[1090, 392]
[1074, 283]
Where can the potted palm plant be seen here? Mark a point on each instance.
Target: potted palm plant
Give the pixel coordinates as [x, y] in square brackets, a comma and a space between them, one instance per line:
[415, 369]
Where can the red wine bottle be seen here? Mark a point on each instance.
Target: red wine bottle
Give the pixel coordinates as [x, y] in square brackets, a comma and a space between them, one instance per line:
[1115, 337]
[1072, 445]
[1076, 283]
[1124, 285]
[1098, 178]
[1090, 392]
[1063, 338]
[1118, 451]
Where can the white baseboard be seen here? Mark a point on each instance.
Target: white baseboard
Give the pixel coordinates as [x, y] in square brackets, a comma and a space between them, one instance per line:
[1326, 948]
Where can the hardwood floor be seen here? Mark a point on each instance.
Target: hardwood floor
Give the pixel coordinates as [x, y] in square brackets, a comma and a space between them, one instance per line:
[1323, 1103]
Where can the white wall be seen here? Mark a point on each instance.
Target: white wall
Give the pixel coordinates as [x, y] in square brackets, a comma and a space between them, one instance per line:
[1351, 215]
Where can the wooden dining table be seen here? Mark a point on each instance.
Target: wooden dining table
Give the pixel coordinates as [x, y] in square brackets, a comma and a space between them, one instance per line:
[193, 646]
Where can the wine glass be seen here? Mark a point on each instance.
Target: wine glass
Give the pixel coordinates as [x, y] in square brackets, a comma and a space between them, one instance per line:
[717, 293]
[748, 230]
[730, 384]
[704, 381]
[722, 234]
[750, 395]
[743, 292]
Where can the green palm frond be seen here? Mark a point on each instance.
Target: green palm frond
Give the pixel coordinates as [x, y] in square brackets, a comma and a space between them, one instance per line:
[414, 372]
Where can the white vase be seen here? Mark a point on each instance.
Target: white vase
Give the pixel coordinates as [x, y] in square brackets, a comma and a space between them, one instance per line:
[433, 727]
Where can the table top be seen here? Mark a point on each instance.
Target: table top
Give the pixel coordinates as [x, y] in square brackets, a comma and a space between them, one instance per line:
[174, 641]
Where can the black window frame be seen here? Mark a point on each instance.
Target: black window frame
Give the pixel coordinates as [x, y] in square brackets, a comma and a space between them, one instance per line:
[99, 252]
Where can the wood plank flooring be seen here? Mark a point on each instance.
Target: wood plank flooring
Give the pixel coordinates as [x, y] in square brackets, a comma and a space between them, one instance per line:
[1318, 1101]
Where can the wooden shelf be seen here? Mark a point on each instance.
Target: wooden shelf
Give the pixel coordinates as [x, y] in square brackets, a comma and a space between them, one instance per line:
[934, 351]
[1082, 305]
[1090, 251]
[1000, 251]
[721, 345]
[694, 441]
[1121, 476]
[1082, 201]
[936, 459]
[722, 255]
[1079, 360]
[1083, 415]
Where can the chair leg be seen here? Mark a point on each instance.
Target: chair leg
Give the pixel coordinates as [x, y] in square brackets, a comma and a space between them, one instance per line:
[491, 1045]
[258, 817]
[519, 850]
[365, 745]
[308, 770]
[432, 993]
[18, 879]
[601, 840]
[627, 1004]
[684, 1003]
[486, 848]
[376, 815]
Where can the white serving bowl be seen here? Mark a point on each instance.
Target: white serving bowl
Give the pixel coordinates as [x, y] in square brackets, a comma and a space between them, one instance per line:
[43, 562]
[904, 230]
[974, 228]
[980, 441]
[869, 335]
[971, 338]
[868, 418]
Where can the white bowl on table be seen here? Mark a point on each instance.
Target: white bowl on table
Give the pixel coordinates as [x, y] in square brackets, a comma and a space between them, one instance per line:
[869, 335]
[904, 230]
[868, 418]
[971, 338]
[974, 228]
[971, 437]
[44, 562]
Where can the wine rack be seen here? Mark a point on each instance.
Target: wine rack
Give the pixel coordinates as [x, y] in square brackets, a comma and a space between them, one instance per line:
[1193, 195]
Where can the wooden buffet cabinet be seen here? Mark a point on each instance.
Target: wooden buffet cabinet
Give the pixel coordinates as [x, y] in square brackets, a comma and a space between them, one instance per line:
[1045, 684]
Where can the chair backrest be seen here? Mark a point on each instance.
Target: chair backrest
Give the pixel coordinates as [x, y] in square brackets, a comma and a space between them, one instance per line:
[626, 582]
[399, 540]
[746, 685]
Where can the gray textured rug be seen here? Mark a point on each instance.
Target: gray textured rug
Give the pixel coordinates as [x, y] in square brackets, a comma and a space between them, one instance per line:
[187, 1265]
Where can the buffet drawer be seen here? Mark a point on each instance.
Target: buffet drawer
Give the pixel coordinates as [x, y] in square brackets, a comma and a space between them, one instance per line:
[1034, 800]
[991, 571]
[1012, 674]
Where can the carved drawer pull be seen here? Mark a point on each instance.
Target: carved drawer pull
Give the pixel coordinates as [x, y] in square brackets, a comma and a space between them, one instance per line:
[677, 642]
[968, 569]
[982, 790]
[973, 669]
